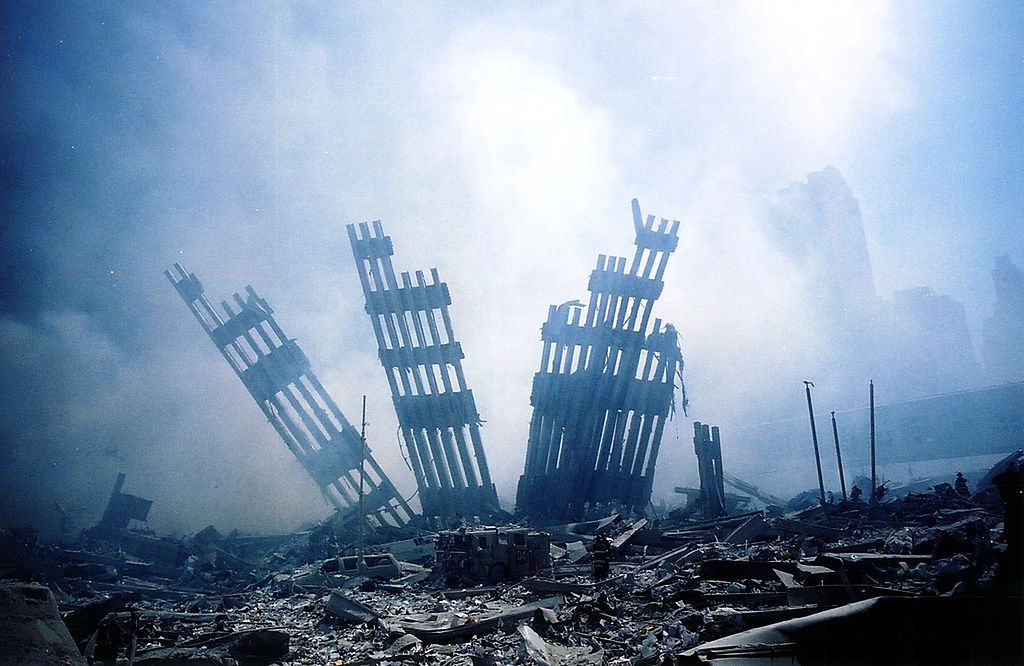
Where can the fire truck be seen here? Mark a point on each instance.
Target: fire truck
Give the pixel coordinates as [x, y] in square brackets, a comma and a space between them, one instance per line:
[492, 554]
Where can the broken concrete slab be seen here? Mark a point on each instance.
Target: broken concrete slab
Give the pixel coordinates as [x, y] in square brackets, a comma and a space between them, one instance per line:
[627, 536]
[31, 631]
[550, 654]
[345, 608]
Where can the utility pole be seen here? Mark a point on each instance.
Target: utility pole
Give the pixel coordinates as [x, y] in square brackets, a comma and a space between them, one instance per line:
[814, 438]
[839, 456]
[361, 562]
[874, 478]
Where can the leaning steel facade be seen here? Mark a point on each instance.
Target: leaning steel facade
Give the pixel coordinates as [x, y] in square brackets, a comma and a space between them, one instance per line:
[605, 388]
[436, 411]
[278, 376]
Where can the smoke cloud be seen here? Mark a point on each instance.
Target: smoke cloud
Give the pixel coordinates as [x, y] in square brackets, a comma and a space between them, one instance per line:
[500, 144]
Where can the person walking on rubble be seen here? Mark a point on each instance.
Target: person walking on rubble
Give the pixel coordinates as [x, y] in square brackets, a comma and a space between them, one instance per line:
[960, 485]
[602, 556]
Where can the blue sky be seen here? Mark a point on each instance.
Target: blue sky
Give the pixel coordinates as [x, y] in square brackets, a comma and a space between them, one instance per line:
[499, 142]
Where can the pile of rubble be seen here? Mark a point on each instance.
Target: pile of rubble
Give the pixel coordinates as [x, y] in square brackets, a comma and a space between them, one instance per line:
[929, 577]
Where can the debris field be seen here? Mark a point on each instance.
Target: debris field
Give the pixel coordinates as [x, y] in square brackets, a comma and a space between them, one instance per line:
[760, 586]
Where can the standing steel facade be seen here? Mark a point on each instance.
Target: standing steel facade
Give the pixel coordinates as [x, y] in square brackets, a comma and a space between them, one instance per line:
[707, 445]
[423, 361]
[605, 387]
[278, 376]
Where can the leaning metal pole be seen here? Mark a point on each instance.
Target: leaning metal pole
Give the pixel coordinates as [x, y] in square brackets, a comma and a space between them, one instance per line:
[814, 438]
[361, 563]
[874, 477]
[839, 456]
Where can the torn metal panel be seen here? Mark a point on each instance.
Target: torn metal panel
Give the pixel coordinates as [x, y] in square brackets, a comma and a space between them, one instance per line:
[423, 362]
[278, 376]
[122, 508]
[605, 388]
[348, 609]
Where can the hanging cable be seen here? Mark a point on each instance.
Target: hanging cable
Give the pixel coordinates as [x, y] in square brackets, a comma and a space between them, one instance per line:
[401, 449]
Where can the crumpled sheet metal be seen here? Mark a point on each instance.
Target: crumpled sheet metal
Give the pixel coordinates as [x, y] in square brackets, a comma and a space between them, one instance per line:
[446, 627]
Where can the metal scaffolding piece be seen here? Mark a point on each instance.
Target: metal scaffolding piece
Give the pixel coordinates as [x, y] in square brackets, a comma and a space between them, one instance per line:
[423, 362]
[278, 376]
[605, 387]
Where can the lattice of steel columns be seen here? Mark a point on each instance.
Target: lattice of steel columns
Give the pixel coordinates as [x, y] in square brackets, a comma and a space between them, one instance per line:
[436, 411]
[605, 388]
[278, 376]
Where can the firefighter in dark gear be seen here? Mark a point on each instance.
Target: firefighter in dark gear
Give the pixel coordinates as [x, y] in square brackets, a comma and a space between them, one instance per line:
[602, 555]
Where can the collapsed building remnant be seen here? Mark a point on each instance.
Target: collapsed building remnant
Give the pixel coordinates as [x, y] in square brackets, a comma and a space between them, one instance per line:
[423, 361]
[707, 444]
[115, 528]
[278, 376]
[605, 387]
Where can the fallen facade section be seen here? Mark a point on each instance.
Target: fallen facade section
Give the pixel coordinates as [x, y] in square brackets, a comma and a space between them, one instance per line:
[423, 362]
[277, 374]
[605, 388]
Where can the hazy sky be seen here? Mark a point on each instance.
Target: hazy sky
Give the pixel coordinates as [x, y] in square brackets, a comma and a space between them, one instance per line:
[501, 143]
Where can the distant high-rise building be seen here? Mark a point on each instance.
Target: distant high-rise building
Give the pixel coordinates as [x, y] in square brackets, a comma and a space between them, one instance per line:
[915, 345]
[818, 224]
[929, 343]
[1003, 335]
